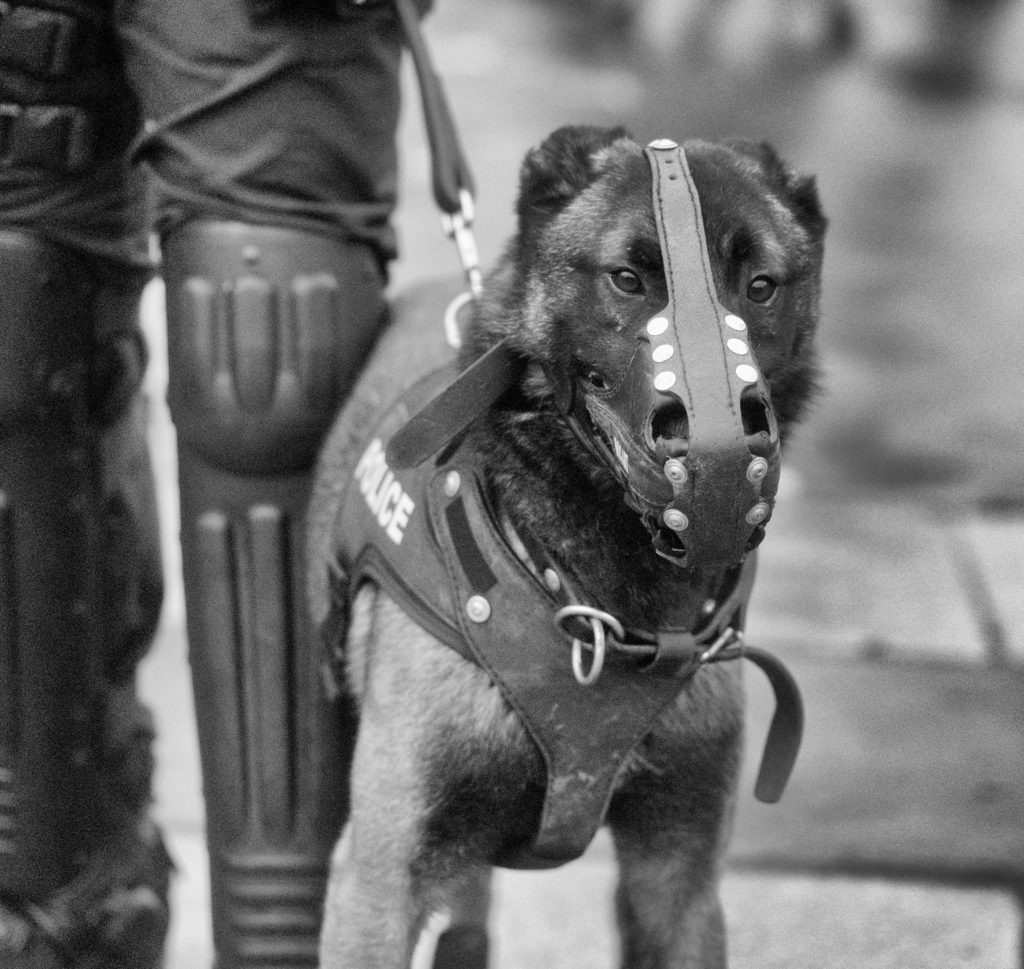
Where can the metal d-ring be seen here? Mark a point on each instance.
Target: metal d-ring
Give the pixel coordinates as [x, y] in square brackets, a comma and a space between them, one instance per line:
[590, 677]
[599, 619]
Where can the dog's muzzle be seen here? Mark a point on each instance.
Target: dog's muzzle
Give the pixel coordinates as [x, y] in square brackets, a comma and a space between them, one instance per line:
[689, 428]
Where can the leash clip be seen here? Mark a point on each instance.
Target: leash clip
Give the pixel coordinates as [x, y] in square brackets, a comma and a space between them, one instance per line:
[728, 637]
[458, 226]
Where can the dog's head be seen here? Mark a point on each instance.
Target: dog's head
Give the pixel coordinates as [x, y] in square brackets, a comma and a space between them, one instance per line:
[650, 354]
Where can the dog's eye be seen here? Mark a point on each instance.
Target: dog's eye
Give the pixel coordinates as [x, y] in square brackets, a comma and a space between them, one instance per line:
[626, 281]
[761, 289]
[597, 380]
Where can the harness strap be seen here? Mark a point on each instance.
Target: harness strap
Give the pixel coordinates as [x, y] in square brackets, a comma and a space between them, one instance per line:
[443, 419]
[786, 730]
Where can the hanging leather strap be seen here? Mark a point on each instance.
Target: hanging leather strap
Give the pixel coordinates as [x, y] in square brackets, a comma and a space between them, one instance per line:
[447, 416]
[450, 172]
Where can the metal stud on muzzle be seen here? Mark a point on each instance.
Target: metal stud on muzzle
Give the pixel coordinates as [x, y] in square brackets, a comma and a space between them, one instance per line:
[690, 429]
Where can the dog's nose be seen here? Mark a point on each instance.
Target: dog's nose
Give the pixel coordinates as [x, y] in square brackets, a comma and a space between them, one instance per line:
[670, 430]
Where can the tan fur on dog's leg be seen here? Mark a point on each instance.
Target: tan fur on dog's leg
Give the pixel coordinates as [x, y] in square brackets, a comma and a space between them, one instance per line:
[470, 901]
[670, 860]
[416, 696]
[669, 913]
[371, 917]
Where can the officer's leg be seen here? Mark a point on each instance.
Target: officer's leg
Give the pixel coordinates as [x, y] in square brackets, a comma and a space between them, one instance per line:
[267, 327]
[274, 156]
[81, 869]
[83, 873]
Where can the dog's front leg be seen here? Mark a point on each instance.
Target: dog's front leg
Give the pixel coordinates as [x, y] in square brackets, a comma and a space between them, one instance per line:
[670, 820]
[668, 911]
[372, 916]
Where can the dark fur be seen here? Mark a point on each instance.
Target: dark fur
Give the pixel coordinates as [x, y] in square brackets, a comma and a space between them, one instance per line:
[443, 773]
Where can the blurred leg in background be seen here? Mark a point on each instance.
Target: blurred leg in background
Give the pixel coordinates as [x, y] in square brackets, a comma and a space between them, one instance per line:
[83, 872]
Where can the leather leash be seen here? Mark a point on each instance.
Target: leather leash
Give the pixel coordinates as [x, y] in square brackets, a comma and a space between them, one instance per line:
[451, 178]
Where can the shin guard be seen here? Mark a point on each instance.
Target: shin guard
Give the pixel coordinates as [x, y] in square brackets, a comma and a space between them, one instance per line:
[267, 329]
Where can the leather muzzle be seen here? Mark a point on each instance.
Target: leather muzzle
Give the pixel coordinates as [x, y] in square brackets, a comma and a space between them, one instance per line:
[689, 427]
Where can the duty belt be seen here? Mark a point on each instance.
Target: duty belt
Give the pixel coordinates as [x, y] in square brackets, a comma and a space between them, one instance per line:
[428, 537]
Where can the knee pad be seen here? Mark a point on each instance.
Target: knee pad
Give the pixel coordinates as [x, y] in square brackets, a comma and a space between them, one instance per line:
[267, 330]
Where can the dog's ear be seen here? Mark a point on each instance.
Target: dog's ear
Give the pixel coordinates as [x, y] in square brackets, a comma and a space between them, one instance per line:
[799, 191]
[564, 164]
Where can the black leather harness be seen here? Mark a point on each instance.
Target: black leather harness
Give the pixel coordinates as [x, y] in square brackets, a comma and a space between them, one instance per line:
[428, 536]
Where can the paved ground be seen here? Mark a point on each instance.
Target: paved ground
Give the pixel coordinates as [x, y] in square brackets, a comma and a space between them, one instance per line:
[892, 576]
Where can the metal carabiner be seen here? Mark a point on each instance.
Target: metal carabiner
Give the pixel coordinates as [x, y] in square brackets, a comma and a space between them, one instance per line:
[458, 226]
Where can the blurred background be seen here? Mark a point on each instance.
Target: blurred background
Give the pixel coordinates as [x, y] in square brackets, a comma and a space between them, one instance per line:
[892, 579]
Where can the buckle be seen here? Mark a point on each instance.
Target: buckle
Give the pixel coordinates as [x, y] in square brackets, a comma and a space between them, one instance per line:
[38, 42]
[58, 138]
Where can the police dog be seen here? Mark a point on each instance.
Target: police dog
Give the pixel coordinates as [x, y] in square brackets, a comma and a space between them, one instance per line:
[446, 777]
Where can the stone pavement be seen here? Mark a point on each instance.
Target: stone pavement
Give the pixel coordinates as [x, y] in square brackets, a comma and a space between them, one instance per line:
[891, 579]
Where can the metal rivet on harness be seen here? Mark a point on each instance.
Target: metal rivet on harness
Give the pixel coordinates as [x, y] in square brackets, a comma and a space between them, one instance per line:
[676, 471]
[757, 469]
[664, 144]
[676, 520]
[478, 609]
[747, 373]
[758, 513]
[657, 326]
[661, 353]
[452, 482]
[734, 322]
[664, 380]
[737, 346]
